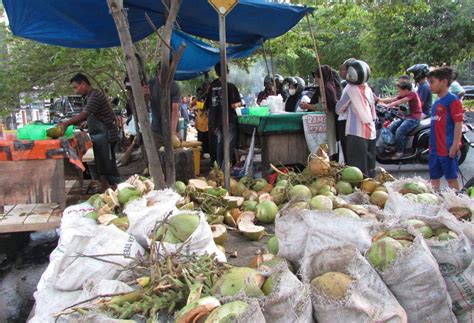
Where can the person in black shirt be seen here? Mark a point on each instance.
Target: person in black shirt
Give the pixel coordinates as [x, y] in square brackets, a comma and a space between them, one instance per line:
[214, 106]
[295, 89]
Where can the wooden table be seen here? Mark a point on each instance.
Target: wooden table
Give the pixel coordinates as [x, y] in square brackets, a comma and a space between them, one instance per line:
[280, 137]
[32, 177]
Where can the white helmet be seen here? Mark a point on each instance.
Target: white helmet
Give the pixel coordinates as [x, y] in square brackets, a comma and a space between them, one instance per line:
[358, 72]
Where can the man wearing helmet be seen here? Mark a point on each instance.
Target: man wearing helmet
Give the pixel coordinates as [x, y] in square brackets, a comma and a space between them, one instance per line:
[279, 86]
[267, 91]
[420, 73]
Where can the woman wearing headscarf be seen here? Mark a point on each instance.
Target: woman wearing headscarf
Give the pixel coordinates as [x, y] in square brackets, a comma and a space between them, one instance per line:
[332, 91]
[358, 104]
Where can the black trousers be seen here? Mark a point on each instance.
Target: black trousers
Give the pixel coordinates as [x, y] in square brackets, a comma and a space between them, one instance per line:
[361, 154]
[341, 136]
[204, 138]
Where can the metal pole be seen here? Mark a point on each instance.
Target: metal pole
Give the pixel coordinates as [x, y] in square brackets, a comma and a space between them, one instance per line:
[225, 101]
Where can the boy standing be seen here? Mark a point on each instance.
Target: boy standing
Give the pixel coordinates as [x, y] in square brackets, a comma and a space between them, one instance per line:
[446, 129]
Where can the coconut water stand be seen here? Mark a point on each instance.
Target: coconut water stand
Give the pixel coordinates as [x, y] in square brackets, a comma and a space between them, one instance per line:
[280, 137]
[33, 177]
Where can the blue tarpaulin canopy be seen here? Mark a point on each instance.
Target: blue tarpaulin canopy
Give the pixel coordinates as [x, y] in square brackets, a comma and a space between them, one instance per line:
[199, 57]
[88, 24]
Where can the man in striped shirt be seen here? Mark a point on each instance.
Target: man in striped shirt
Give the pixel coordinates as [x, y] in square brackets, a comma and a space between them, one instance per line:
[102, 127]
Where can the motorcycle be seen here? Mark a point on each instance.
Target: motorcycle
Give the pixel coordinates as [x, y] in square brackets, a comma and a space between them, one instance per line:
[417, 141]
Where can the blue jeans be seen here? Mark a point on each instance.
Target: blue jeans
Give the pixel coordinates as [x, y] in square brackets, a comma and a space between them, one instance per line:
[233, 133]
[401, 128]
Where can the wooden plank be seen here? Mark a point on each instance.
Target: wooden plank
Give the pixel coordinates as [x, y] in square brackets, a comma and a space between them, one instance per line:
[32, 217]
[32, 181]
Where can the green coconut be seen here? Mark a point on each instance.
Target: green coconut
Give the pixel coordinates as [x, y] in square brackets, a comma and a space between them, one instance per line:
[428, 199]
[446, 236]
[272, 245]
[282, 182]
[400, 234]
[412, 197]
[300, 193]
[421, 227]
[279, 194]
[227, 313]
[269, 284]
[125, 194]
[240, 189]
[182, 226]
[180, 187]
[239, 279]
[333, 284]
[327, 190]
[219, 233]
[249, 206]
[267, 211]
[379, 198]
[321, 203]
[91, 215]
[259, 184]
[352, 175]
[383, 252]
[344, 188]
[342, 211]
[414, 187]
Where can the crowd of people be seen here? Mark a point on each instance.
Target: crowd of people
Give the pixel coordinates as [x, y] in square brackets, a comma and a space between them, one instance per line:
[348, 102]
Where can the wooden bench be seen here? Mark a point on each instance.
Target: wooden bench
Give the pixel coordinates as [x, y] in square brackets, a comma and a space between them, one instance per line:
[30, 217]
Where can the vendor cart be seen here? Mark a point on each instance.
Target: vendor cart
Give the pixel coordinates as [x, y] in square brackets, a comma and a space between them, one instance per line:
[280, 137]
[32, 177]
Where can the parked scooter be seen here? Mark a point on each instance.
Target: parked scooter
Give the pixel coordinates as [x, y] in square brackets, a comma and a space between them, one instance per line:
[417, 142]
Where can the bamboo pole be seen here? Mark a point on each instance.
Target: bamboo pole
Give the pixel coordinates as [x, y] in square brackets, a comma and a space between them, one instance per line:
[121, 22]
[321, 81]
[165, 81]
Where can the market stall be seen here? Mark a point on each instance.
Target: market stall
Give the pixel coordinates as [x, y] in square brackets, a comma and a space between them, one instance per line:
[33, 174]
[280, 137]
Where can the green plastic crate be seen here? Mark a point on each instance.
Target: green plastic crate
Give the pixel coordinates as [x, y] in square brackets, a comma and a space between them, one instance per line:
[37, 131]
[259, 111]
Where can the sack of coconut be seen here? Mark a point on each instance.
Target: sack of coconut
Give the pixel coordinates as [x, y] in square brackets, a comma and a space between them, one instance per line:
[466, 317]
[304, 230]
[411, 273]
[286, 298]
[345, 288]
[461, 207]
[447, 243]
[411, 196]
[461, 290]
[144, 212]
[49, 301]
[186, 232]
[97, 257]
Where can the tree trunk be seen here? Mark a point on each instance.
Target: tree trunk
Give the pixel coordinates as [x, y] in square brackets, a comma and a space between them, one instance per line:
[165, 81]
[121, 22]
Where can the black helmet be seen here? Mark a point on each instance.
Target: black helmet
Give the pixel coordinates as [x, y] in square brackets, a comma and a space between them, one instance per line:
[289, 81]
[278, 78]
[300, 84]
[419, 71]
[358, 72]
[267, 80]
